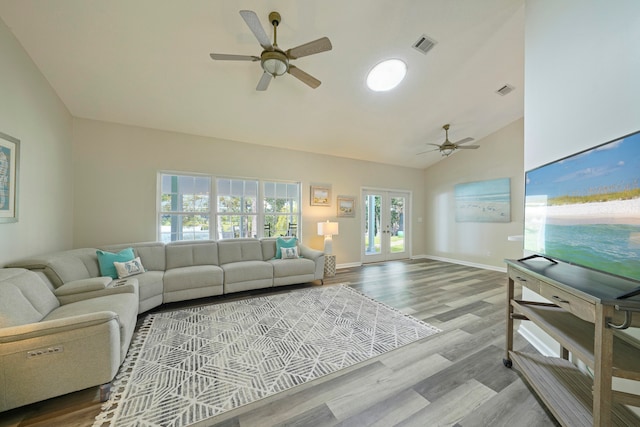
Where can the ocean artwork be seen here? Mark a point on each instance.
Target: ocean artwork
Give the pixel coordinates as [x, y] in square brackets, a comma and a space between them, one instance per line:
[484, 201]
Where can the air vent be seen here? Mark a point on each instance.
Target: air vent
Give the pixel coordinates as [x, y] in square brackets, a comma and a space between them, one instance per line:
[424, 44]
[505, 90]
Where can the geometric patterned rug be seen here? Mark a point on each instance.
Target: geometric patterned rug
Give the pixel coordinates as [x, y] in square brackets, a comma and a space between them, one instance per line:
[189, 365]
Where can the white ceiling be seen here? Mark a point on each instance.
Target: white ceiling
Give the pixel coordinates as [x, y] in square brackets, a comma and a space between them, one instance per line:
[146, 63]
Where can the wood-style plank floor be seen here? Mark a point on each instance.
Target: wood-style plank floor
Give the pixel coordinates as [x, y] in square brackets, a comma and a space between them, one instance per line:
[454, 378]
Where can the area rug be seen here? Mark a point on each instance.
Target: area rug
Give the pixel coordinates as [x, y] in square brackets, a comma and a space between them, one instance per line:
[189, 365]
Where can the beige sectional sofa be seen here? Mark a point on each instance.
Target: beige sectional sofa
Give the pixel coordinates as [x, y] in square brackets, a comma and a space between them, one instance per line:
[58, 304]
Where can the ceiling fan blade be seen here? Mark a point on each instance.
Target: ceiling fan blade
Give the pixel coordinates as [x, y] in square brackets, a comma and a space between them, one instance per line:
[263, 84]
[303, 77]
[225, 57]
[311, 48]
[255, 26]
[463, 141]
[435, 145]
[467, 147]
[428, 151]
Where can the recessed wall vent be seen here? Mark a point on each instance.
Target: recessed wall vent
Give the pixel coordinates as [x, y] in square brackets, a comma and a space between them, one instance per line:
[424, 44]
[505, 90]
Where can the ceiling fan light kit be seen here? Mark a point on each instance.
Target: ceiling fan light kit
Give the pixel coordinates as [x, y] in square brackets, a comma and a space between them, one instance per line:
[273, 60]
[448, 147]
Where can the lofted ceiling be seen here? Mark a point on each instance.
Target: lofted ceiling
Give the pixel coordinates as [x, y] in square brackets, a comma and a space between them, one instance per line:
[146, 63]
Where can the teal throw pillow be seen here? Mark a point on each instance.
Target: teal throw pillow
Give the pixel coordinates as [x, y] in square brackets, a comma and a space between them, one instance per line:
[282, 243]
[106, 260]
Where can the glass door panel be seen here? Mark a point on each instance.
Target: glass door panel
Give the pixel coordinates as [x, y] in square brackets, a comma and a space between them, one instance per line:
[385, 225]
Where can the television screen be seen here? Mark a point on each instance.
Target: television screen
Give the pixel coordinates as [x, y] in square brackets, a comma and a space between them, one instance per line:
[585, 209]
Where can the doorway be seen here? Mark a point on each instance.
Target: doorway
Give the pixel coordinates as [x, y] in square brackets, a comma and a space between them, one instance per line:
[385, 233]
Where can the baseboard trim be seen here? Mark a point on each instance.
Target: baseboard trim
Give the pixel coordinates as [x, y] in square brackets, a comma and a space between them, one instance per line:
[348, 265]
[535, 341]
[460, 262]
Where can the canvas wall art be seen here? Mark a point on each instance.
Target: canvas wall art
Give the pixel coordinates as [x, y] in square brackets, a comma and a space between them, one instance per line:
[484, 201]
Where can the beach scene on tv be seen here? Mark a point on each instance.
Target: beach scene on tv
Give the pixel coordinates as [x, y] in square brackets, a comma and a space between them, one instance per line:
[585, 209]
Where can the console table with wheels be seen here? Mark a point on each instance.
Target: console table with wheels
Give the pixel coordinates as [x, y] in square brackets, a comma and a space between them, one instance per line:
[588, 309]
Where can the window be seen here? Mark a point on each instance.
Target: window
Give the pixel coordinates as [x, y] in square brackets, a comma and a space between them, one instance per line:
[237, 212]
[281, 209]
[184, 207]
[243, 208]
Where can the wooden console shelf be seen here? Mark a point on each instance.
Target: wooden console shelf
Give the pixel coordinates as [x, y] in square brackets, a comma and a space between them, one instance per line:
[583, 318]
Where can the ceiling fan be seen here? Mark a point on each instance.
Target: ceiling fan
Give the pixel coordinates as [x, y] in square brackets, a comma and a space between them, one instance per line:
[448, 147]
[274, 61]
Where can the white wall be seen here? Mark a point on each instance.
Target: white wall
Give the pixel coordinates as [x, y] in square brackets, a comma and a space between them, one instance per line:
[484, 244]
[582, 62]
[31, 112]
[115, 169]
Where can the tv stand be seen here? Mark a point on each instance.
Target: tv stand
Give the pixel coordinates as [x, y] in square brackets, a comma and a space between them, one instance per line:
[582, 317]
[553, 261]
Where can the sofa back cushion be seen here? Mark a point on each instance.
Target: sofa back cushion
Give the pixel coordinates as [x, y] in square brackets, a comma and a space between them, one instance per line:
[187, 254]
[24, 297]
[235, 250]
[152, 254]
[64, 266]
[268, 248]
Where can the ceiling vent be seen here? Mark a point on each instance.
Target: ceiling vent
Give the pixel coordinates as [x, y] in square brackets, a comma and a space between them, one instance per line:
[424, 44]
[505, 90]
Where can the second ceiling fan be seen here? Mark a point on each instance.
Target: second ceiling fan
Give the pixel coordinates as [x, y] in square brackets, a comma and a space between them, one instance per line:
[448, 147]
[274, 61]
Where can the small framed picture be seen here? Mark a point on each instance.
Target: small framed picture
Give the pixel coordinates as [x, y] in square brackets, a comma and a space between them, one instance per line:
[346, 206]
[320, 195]
[9, 165]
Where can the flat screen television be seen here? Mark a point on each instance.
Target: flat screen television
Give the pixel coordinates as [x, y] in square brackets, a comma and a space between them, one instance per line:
[584, 209]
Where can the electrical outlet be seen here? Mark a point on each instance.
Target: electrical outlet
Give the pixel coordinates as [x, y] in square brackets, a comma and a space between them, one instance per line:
[45, 351]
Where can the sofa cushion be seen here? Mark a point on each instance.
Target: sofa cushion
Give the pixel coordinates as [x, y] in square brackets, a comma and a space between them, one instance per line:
[107, 259]
[235, 250]
[246, 271]
[24, 297]
[184, 254]
[195, 276]
[292, 267]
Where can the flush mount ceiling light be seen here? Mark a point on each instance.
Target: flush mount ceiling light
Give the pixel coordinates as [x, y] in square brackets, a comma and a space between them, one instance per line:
[386, 75]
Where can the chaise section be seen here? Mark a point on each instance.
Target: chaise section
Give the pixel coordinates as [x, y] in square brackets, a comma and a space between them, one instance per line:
[192, 271]
[48, 349]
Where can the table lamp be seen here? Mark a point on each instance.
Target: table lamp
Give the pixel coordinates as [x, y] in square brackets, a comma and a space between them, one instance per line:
[328, 230]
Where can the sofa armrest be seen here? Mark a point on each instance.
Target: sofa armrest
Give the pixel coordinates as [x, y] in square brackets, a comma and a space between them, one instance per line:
[56, 326]
[309, 253]
[83, 289]
[83, 285]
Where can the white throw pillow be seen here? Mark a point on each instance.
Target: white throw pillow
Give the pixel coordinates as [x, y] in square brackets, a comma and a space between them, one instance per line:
[129, 268]
[289, 253]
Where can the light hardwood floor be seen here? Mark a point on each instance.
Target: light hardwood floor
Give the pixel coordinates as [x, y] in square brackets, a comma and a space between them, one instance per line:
[454, 378]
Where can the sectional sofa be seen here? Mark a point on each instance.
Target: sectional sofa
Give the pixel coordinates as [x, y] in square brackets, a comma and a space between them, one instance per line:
[66, 326]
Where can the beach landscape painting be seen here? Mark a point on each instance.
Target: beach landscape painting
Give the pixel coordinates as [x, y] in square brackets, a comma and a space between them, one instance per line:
[484, 201]
[585, 209]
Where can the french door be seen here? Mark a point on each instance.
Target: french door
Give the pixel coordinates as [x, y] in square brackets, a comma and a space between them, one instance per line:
[386, 218]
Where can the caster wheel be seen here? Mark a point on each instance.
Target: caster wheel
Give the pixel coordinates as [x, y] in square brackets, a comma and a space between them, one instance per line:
[508, 363]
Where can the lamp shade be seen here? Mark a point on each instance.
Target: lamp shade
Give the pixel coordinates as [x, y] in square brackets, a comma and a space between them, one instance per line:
[328, 228]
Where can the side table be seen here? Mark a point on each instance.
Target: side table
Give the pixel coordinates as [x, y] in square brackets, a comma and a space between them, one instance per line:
[329, 265]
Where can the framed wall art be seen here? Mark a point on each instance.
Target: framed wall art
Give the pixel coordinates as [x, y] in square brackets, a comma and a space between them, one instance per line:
[9, 166]
[346, 206]
[320, 195]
